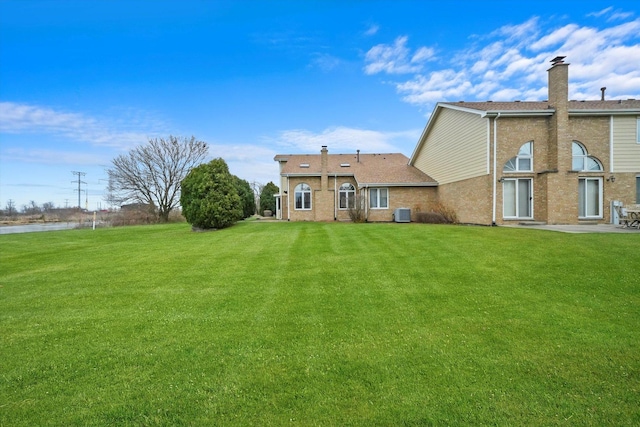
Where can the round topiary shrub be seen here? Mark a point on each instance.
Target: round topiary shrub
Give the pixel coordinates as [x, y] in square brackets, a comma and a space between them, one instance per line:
[209, 197]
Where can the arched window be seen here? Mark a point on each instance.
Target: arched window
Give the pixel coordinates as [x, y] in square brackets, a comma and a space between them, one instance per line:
[582, 161]
[347, 196]
[523, 162]
[302, 196]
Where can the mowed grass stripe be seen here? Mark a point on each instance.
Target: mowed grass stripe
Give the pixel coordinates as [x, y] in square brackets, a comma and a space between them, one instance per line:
[319, 324]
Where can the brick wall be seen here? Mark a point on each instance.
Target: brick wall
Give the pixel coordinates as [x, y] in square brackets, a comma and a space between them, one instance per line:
[418, 199]
[470, 199]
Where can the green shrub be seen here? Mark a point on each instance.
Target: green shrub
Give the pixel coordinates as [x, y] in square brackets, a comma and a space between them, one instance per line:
[267, 201]
[209, 197]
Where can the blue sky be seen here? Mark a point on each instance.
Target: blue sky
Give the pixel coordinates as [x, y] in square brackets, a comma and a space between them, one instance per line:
[84, 81]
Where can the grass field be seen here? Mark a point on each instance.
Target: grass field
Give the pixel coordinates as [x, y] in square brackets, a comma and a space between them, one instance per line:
[319, 324]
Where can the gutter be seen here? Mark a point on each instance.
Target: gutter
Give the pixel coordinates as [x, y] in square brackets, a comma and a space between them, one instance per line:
[400, 184]
[495, 172]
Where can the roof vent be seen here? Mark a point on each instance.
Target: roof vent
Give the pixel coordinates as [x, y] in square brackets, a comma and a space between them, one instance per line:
[344, 165]
[304, 165]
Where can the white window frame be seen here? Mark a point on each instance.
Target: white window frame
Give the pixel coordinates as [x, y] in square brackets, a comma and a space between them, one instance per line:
[304, 189]
[377, 198]
[638, 130]
[586, 179]
[517, 197]
[350, 196]
[521, 156]
[585, 157]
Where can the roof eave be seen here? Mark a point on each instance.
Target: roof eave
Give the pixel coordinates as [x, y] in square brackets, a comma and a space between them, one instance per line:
[398, 184]
[519, 113]
[606, 112]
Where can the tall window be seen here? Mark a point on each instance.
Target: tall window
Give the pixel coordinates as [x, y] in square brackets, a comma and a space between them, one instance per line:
[590, 198]
[638, 190]
[523, 162]
[302, 195]
[347, 196]
[518, 197]
[378, 198]
[638, 130]
[582, 161]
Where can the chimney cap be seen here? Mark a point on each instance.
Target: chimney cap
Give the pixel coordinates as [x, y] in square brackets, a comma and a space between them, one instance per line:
[558, 60]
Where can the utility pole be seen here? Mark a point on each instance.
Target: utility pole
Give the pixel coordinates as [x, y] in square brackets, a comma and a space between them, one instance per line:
[80, 174]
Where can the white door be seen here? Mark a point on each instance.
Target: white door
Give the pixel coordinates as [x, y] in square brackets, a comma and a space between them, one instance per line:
[590, 198]
[517, 198]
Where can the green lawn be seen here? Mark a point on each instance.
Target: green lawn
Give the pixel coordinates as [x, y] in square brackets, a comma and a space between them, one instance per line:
[319, 324]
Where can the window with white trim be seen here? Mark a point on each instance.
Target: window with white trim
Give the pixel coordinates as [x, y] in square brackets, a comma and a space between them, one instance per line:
[302, 197]
[347, 195]
[638, 189]
[379, 198]
[517, 198]
[582, 161]
[523, 162]
[589, 198]
[638, 130]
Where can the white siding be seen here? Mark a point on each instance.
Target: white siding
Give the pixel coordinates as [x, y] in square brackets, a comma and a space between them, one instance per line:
[455, 148]
[626, 150]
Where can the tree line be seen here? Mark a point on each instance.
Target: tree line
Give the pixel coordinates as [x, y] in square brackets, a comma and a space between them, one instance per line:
[169, 172]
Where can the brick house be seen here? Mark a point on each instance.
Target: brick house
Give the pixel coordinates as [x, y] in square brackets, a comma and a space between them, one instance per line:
[556, 161]
[322, 187]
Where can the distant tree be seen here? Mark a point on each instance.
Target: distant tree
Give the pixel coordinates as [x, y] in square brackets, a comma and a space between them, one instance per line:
[246, 195]
[48, 206]
[267, 199]
[257, 191]
[209, 197]
[10, 208]
[151, 174]
[31, 209]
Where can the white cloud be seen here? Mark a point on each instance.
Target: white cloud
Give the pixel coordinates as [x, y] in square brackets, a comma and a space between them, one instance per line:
[601, 12]
[249, 162]
[510, 62]
[372, 30]
[397, 58]
[52, 157]
[23, 118]
[325, 62]
[345, 139]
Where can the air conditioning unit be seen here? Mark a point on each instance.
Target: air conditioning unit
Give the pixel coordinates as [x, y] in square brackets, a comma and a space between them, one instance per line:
[402, 215]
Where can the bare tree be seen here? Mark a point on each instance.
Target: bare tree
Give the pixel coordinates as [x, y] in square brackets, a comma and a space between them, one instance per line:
[257, 188]
[151, 174]
[357, 209]
[10, 209]
[31, 209]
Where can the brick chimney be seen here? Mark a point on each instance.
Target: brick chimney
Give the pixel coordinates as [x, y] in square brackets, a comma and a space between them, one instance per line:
[561, 196]
[559, 101]
[324, 161]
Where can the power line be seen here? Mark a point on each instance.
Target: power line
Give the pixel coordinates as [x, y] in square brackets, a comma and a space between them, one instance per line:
[80, 174]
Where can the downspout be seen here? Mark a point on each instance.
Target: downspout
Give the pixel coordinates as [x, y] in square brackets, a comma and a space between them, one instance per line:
[335, 197]
[611, 165]
[288, 201]
[366, 203]
[495, 172]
